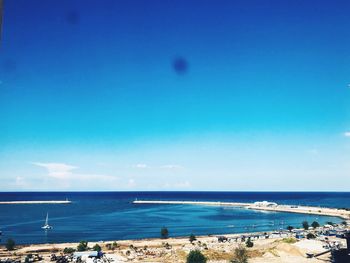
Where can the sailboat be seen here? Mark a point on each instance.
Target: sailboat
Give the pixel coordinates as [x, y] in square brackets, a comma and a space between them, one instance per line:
[46, 226]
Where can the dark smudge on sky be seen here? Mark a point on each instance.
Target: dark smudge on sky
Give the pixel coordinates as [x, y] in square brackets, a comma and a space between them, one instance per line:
[180, 65]
[73, 17]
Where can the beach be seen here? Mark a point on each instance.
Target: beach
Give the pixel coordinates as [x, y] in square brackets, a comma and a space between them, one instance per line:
[278, 248]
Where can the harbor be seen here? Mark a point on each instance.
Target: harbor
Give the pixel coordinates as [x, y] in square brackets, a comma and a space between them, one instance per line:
[264, 206]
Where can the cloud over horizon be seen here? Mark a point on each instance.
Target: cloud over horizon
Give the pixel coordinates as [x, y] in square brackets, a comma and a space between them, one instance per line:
[57, 170]
[66, 177]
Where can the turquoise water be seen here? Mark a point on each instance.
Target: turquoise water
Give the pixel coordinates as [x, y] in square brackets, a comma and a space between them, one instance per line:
[98, 216]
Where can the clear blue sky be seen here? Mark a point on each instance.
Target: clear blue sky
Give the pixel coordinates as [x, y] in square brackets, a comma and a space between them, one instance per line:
[90, 98]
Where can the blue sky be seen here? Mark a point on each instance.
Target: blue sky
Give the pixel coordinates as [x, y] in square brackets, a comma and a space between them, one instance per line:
[90, 100]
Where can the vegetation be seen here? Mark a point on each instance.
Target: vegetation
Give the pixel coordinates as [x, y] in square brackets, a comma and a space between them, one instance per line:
[192, 238]
[344, 223]
[97, 248]
[289, 240]
[290, 228]
[310, 236]
[114, 245]
[305, 225]
[10, 244]
[330, 223]
[195, 256]
[167, 245]
[164, 233]
[83, 246]
[249, 243]
[222, 239]
[315, 224]
[68, 250]
[241, 255]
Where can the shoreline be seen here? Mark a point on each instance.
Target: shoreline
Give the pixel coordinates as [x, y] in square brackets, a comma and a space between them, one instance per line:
[273, 207]
[279, 248]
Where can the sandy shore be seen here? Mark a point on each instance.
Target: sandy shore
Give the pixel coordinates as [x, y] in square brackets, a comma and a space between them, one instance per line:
[275, 249]
[342, 213]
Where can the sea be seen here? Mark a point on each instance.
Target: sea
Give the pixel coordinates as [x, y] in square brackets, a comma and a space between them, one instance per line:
[103, 216]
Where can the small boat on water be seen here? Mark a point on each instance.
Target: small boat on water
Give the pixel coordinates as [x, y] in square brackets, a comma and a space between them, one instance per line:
[47, 226]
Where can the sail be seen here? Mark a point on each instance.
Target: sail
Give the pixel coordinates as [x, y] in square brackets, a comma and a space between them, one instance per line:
[47, 219]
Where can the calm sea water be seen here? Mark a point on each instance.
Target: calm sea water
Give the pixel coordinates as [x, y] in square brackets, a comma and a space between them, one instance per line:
[98, 216]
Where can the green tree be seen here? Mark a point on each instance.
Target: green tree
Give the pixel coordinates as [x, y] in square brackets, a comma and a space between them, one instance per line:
[310, 236]
[192, 238]
[249, 243]
[315, 224]
[10, 244]
[164, 233]
[68, 250]
[241, 255]
[305, 225]
[344, 223]
[290, 228]
[195, 256]
[114, 245]
[83, 246]
[96, 247]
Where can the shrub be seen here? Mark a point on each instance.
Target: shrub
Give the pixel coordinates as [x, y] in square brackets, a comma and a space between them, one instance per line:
[164, 233]
[330, 223]
[96, 247]
[195, 256]
[289, 240]
[68, 250]
[344, 223]
[310, 236]
[167, 246]
[10, 244]
[315, 224]
[249, 243]
[83, 245]
[241, 255]
[192, 238]
[290, 228]
[305, 225]
[114, 245]
[222, 239]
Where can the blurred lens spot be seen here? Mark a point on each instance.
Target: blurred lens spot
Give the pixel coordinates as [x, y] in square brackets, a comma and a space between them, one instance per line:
[180, 65]
[73, 17]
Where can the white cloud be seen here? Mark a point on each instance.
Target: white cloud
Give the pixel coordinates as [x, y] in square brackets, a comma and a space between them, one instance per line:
[131, 183]
[166, 166]
[141, 166]
[66, 177]
[171, 166]
[177, 185]
[20, 181]
[57, 170]
[185, 184]
[347, 134]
